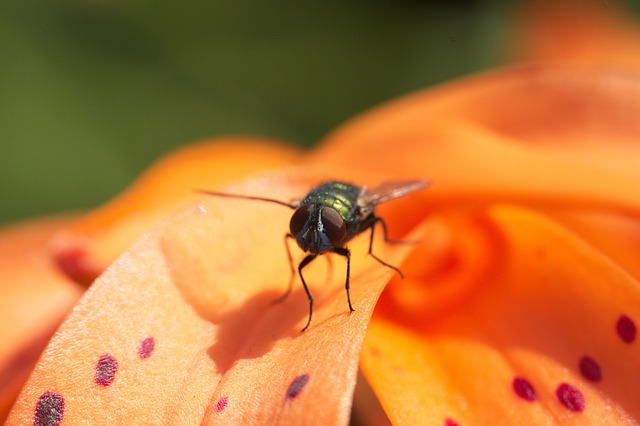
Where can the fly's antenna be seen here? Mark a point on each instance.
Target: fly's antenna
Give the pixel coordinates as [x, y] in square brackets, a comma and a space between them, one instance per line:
[293, 205]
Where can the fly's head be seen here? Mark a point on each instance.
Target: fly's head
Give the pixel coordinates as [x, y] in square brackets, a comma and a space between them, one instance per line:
[317, 229]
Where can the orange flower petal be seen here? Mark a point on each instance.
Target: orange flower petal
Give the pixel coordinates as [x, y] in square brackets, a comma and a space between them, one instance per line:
[545, 329]
[87, 247]
[616, 236]
[181, 328]
[29, 283]
[588, 34]
[543, 136]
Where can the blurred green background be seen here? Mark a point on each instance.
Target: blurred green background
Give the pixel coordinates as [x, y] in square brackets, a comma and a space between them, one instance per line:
[93, 91]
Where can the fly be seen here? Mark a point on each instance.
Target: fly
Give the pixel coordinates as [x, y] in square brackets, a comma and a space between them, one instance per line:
[328, 217]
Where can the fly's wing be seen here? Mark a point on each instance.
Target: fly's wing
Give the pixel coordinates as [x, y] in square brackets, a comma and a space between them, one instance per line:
[390, 190]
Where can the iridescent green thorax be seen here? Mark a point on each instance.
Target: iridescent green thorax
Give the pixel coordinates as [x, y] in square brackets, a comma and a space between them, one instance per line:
[343, 198]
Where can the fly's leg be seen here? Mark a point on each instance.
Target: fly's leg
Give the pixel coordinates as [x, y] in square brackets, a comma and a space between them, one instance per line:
[386, 239]
[286, 294]
[343, 251]
[304, 263]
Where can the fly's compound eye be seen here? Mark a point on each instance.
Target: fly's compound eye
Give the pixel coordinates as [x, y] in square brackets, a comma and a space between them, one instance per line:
[299, 218]
[334, 226]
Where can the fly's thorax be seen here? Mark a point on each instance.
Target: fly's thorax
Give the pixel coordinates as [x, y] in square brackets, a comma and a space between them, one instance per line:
[340, 196]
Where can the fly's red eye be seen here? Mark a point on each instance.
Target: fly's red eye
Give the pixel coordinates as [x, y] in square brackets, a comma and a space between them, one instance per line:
[299, 218]
[334, 226]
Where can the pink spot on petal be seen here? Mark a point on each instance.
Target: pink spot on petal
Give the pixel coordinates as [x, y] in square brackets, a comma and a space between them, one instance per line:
[297, 385]
[221, 404]
[146, 347]
[450, 422]
[570, 397]
[524, 389]
[106, 370]
[49, 409]
[590, 369]
[626, 329]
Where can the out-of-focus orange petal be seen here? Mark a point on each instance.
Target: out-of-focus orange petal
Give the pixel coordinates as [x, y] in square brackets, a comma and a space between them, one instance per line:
[181, 329]
[544, 330]
[585, 33]
[87, 247]
[34, 298]
[616, 236]
[544, 136]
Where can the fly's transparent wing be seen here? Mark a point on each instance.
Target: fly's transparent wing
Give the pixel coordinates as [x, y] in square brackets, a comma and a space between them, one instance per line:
[390, 190]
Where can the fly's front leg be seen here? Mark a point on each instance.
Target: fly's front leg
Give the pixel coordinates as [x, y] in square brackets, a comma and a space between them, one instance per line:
[343, 251]
[304, 263]
[377, 219]
[286, 294]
